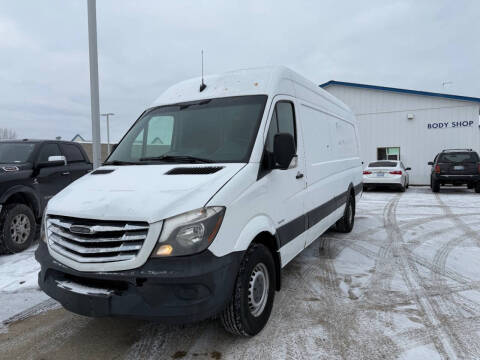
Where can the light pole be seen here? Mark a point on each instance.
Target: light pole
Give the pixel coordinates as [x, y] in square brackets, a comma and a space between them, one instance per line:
[94, 102]
[107, 115]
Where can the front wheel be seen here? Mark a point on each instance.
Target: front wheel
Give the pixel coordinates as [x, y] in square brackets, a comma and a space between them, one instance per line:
[251, 304]
[17, 228]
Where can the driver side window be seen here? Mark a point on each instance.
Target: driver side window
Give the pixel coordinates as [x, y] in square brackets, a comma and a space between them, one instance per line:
[283, 121]
[47, 151]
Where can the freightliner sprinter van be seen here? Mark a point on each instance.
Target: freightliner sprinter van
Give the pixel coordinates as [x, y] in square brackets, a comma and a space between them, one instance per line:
[212, 191]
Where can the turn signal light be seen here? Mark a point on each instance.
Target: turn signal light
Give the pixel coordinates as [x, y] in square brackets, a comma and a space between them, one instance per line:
[396, 172]
[367, 172]
[437, 169]
[164, 250]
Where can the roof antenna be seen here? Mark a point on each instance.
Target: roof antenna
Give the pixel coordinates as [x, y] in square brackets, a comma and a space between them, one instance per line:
[202, 85]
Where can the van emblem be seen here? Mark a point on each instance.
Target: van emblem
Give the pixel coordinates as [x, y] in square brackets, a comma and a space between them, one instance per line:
[80, 229]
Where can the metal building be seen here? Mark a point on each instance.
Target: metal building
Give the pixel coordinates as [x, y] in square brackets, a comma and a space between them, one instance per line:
[409, 125]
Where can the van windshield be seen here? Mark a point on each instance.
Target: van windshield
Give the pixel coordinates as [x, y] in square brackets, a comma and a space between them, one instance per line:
[215, 130]
[15, 153]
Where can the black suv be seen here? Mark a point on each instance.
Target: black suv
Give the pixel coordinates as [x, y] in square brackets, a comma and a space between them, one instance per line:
[456, 167]
[31, 172]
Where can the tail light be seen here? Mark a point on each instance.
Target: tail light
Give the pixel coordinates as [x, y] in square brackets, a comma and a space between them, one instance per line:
[396, 172]
[437, 169]
[369, 172]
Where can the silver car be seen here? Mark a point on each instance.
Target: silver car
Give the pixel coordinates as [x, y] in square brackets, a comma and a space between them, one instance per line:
[386, 173]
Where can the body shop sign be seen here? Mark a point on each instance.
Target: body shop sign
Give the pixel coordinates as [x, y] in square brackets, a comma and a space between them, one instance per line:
[449, 124]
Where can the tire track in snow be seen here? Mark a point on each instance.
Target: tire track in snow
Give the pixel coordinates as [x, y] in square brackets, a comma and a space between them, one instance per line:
[443, 337]
[378, 287]
[44, 306]
[464, 334]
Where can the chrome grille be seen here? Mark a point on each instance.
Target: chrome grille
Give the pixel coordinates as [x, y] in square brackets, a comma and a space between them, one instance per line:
[95, 241]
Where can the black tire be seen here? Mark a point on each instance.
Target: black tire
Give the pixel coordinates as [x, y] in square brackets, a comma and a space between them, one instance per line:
[239, 317]
[402, 188]
[366, 188]
[477, 187]
[17, 228]
[470, 186]
[345, 224]
[435, 186]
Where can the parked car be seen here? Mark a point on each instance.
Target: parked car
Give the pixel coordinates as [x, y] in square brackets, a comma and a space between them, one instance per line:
[455, 167]
[31, 172]
[386, 173]
[211, 192]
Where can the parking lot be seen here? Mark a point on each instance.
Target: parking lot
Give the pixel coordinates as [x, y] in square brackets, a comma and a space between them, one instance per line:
[404, 284]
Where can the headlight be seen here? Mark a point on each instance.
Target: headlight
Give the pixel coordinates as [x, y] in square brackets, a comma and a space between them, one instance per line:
[190, 232]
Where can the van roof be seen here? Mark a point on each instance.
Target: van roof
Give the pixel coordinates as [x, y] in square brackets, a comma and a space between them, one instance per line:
[254, 81]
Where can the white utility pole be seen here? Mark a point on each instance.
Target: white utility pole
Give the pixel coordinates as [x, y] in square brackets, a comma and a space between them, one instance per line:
[94, 101]
[107, 115]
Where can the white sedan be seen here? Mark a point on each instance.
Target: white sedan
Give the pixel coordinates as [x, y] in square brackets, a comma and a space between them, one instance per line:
[386, 173]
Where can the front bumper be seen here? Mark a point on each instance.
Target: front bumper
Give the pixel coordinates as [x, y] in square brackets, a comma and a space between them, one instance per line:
[172, 290]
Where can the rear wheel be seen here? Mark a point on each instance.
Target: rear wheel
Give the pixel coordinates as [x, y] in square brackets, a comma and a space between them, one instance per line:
[402, 188]
[345, 224]
[435, 186]
[477, 187]
[17, 228]
[251, 304]
[470, 186]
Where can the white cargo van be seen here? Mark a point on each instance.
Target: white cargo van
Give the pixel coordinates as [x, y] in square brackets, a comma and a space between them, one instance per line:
[211, 192]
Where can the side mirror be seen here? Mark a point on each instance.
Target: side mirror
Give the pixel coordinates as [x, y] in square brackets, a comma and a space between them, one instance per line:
[430, 163]
[408, 168]
[283, 150]
[53, 161]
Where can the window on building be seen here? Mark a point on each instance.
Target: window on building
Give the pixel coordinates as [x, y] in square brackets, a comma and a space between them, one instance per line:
[388, 153]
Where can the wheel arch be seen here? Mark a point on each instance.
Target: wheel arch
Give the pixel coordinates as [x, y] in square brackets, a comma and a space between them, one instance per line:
[261, 230]
[23, 195]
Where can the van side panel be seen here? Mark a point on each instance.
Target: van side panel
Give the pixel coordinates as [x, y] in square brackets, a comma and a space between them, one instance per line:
[333, 164]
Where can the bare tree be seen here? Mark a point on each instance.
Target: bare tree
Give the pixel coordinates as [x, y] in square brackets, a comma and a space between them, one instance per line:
[7, 134]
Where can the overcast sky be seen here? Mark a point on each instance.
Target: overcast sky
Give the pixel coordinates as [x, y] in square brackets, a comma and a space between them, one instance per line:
[146, 46]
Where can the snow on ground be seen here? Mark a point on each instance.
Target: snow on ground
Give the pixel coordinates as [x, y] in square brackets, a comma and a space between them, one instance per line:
[403, 285]
[18, 283]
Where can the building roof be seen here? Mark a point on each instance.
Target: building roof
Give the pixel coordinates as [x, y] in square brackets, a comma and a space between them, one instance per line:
[397, 90]
[79, 138]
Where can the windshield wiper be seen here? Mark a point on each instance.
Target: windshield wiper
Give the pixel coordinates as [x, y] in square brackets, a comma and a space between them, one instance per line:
[181, 158]
[120, 162]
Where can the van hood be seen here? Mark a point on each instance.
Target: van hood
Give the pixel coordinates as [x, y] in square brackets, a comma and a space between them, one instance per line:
[140, 192]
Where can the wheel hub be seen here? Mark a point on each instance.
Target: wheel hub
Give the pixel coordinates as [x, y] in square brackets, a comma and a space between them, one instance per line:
[258, 289]
[20, 228]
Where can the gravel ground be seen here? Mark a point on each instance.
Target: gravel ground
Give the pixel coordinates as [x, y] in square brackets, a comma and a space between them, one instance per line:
[404, 284]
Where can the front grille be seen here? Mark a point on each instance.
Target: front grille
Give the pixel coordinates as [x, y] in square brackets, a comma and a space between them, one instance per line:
[95, 241]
